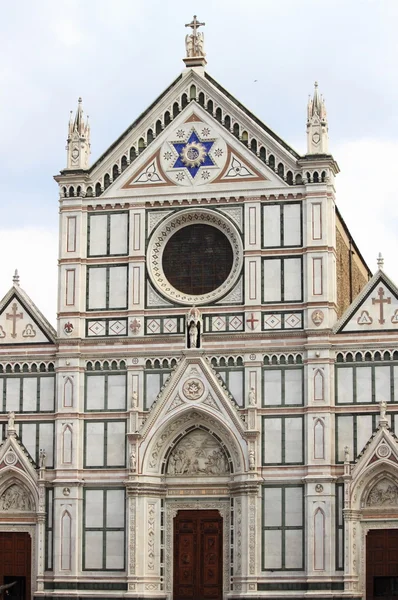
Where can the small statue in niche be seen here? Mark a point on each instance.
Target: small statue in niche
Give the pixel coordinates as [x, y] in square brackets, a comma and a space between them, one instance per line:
[134, 399]
[252, 397]
[383, 410]
[133, 462]
[42, 458]
[11, 420]
[346, 454]
[194, 327]
[252, 460]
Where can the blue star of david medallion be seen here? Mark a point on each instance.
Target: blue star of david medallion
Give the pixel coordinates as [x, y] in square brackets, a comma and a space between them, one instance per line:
[193, 154]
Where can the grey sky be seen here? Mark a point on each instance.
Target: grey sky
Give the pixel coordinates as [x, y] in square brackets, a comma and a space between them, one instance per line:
[119, 55]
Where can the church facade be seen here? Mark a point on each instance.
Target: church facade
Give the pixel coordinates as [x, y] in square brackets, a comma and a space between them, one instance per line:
[215, 415]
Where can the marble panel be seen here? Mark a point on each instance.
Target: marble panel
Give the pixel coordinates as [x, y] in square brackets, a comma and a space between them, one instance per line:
[117, 287]
[293, 386]
[28, 431]
[293, 549]
[293, 507]
[97, 288]
[47, 393]
[115, 503]
[292, 225]
[95, 392]
[94, 444]
[93, 550]
[345, 385]
[272, 280]
[364, 431]
[272, 549]
[12, 394]
[114, 549]
[29, 394]
[382, 384]
[98, 235]
[272, 225]
[345, 433]
[46, 441]
[364, 384]
[293, 439]
[292, 279]
[236, 386]
[272, 441]
[272, 387]
[272, 507]
[117, 392]
[118, 233]
[116, 444]
[94, 508]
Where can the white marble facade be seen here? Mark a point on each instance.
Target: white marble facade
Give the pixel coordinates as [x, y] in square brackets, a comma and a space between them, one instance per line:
[258, 403]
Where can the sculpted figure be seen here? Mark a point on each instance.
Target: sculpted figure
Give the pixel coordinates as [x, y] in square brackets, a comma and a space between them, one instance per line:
[189, 45]
[193, 335]
[252, 460]
[383, 410]
[346, 454]
[11, 420]
[42, 458]
[133, 462]
[252, 397]
[134, 400]
[200, 42]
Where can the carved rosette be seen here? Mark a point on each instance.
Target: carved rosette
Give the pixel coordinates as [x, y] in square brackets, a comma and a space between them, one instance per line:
[193, 389]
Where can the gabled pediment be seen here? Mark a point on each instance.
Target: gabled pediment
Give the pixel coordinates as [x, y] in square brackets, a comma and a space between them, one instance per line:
[193, 385]
[21, 322]
[194, 152]
[381, 447]
[375, 309]
[193, 398]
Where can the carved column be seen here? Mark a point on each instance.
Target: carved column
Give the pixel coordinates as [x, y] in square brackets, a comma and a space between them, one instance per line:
[247, 524]
[351, 542]
[41, 532]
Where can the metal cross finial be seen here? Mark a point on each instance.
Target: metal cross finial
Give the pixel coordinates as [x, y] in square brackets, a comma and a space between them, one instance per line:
[15, 278]
[380, 261]
[194, 24]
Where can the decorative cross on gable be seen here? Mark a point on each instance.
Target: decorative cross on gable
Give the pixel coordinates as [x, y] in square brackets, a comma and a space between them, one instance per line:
[14, 316]
[381, 301]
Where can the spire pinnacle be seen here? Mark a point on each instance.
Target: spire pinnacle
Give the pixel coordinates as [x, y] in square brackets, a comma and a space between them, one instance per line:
[78, 142]
[317, 126]
[380, 261]
[194, 44]
[15, 278]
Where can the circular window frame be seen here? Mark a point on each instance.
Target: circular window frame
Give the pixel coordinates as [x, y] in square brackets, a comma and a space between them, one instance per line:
[167, 229]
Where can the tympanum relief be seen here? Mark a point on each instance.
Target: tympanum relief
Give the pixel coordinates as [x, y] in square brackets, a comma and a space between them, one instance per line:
[198, 454]
[15, 498]
[384, 493]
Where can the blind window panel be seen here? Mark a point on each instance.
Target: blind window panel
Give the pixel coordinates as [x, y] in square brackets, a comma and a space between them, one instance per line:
[292, 225]
[94, 509]
[98, 237]
[383, 384]
[118, 233]
[345, 435]
[345, 385]
[272, 226]
[153, 384]
[292, 279]
[97, 288]
[293, 440]
[272, 280]
[118, 287]
[47, 393]
[28, 435]
[272, 441]
[272, 387]
[46, 441]
[116, 392]
[95, 392]
[293, 386]
[29, 394]
[364, 430]
[13, 386]
[94, 444]
[363, 384]
[116, 444]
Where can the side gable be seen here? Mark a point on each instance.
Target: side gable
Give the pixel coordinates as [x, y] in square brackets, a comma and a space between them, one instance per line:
[375, 309]
[21, 322]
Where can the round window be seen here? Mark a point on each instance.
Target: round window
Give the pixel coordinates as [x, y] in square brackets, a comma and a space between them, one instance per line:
[195, 256]
[197, 259]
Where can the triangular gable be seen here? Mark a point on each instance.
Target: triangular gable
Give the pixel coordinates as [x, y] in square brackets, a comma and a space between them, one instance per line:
[375, 309]
[380, 454]
[21, 322]
[14, 454]
[193, 385]
[196, 151]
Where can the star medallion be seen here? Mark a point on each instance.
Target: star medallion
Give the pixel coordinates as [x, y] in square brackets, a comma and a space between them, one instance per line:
[193, 154]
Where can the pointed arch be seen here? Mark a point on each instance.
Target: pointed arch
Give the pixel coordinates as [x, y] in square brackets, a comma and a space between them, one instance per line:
[319, 439]
[319, 385]
[67, 445]
[319, 540]
[68, 393]
[66, 541]
[155, 449]
[16, 478]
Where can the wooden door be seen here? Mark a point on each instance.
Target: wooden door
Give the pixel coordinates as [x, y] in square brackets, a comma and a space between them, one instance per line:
[198, 555]
[15, 561]
[382, 564]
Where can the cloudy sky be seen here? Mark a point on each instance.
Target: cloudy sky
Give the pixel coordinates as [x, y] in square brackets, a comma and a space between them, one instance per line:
[120, 54]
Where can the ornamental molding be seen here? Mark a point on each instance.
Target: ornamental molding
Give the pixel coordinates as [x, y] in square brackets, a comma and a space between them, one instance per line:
[166, 230]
